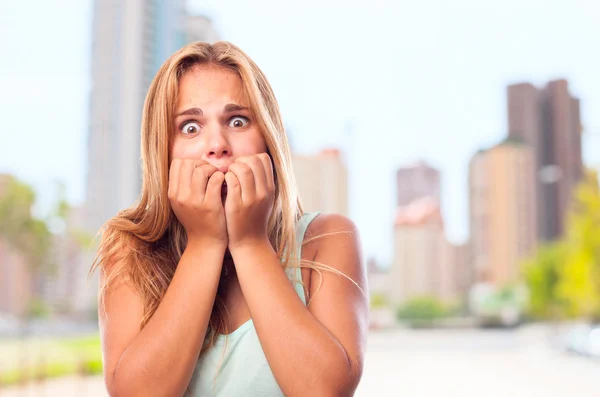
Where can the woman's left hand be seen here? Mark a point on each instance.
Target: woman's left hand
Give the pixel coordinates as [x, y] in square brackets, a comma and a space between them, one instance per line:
[249, 201]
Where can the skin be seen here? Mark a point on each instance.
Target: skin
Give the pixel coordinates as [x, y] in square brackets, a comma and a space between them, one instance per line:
[322, 351]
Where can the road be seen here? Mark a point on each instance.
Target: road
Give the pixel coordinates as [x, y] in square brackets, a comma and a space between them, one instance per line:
[435, 363]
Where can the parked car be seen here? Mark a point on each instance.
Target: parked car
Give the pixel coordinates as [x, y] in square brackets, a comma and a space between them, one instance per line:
[584, 340]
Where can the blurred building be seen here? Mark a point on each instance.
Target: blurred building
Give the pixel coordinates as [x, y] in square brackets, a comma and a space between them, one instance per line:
[417, 181]
[67, 288]
[502, 211]
[322, 181]
[131, 40]
[377, 278]
[16, 281]
[548, 120]
[425, 263]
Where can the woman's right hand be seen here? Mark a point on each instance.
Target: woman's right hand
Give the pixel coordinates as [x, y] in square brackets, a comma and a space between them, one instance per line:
[195, 196]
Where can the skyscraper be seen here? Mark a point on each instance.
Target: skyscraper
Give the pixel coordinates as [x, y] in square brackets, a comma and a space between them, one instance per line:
[548, 120]
[322, 181]
[502, 211]
[418, 248]
[131, 41]
[417, 181]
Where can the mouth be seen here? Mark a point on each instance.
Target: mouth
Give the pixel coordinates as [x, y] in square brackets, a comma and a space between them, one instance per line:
[223, 191]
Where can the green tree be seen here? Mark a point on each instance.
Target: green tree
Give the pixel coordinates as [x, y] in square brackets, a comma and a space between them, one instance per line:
[26, 234]
[579, 276]
[541, 275]
[563, 277]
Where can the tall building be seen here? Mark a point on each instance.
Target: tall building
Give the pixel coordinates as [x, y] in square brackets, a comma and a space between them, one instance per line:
[417, 181]
[418, 240]
[548, 120]
[425, 263]
[322, 181]
[502, 211]
[131, 40]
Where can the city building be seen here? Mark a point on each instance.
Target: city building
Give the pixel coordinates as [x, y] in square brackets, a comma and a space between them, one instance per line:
[417, 181]
[377, 278]
[322, 181]
[425, 263]
[130, 41]
[502, 211]
[548, 120]
[67, 289]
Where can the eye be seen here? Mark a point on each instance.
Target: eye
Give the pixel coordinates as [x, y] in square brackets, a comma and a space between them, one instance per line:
[189, 127]
[238, 121]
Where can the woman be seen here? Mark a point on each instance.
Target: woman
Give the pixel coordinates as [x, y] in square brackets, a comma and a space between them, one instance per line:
[196, 297]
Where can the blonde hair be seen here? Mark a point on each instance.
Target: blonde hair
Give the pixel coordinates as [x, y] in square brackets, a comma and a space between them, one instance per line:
[144, 243]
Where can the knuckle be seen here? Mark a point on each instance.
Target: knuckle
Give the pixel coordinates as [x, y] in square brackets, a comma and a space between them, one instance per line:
[181, 201]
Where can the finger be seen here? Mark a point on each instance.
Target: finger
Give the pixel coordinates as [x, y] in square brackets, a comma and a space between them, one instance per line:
[200, 177]
[234, 195]
[268, 168]
[246, 181]
[173, 178]
[260, 179]
[185, 179]
[213, 188]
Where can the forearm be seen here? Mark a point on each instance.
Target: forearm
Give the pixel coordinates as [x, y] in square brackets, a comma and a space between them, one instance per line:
[306, 359]
[161, 359]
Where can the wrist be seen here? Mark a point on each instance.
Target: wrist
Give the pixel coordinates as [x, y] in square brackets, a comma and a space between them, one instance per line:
[249, 245]
[206, 245]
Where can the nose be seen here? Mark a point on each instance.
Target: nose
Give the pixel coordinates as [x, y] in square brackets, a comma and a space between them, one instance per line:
[217, 146]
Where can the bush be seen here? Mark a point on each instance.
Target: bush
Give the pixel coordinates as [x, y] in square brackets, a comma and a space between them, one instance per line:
[62, 357]
[422, 309]
[378, 301]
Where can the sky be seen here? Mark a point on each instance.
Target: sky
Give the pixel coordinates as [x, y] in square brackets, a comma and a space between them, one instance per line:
[388, 82]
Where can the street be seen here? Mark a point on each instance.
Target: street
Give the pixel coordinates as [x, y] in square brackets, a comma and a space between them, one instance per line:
[428, 363]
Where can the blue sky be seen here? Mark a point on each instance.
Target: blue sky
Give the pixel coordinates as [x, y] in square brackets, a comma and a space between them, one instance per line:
[414, 80]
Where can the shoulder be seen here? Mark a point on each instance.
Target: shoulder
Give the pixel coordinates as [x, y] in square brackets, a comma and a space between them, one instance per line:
[336, 241]
[330, 223]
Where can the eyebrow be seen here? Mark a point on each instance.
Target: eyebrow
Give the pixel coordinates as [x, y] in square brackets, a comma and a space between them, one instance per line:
[231, 107]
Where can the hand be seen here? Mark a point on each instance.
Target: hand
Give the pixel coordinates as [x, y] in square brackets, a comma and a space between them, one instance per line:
[249, 201]
[195, 196]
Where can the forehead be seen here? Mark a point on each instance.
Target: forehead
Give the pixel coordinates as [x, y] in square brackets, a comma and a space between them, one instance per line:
[202, 83]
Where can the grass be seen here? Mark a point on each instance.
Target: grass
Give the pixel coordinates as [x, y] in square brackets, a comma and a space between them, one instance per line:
[33, 359]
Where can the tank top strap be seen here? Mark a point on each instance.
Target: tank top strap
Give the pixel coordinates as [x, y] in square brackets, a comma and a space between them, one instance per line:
[295, 273]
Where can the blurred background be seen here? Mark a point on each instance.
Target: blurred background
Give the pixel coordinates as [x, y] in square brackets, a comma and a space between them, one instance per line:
[462, 137]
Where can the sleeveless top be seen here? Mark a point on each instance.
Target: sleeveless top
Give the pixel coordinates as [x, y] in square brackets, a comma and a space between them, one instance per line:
[236, 364]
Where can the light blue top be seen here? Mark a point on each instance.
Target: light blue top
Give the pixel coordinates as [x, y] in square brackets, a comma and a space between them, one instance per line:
[236, 364]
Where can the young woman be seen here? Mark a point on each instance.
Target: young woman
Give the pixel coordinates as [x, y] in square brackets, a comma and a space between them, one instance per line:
[216, 282]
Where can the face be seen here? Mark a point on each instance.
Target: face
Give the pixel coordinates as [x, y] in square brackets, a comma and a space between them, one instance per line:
[213, 121]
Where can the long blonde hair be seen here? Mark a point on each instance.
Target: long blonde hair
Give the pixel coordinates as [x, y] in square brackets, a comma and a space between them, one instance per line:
[145, 242]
